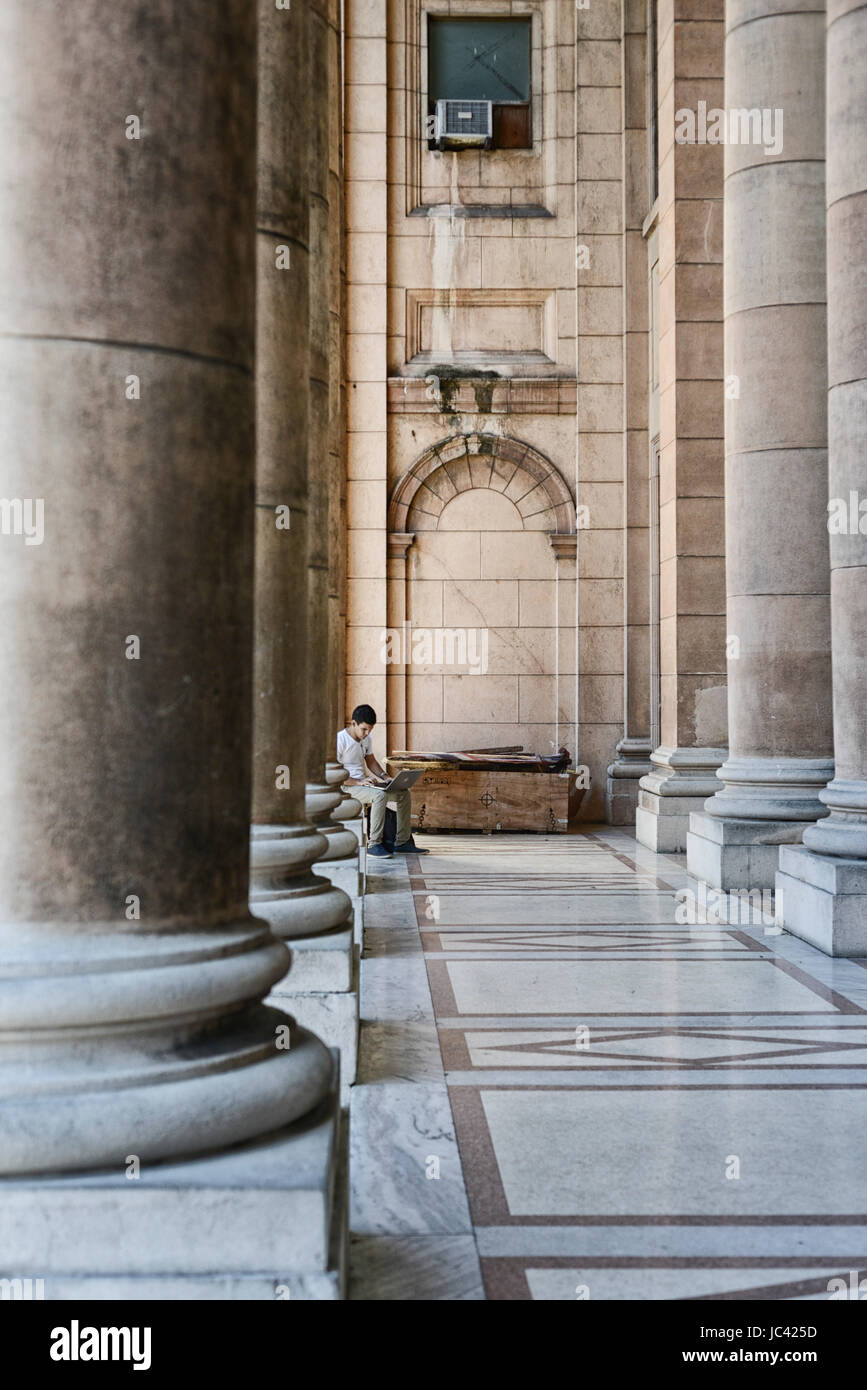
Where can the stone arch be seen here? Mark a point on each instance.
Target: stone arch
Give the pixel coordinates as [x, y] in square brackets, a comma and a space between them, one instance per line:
[467, 461]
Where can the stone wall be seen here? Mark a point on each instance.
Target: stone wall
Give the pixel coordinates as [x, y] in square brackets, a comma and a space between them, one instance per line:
[466, 295]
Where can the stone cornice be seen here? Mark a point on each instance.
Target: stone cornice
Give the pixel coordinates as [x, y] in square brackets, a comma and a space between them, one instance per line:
[483, 396]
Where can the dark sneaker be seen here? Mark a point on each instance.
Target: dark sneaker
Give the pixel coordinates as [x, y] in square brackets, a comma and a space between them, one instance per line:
[379, 851]
[410, 847]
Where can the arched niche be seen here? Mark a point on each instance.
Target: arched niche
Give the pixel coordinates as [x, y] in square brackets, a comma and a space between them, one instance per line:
[469, 462]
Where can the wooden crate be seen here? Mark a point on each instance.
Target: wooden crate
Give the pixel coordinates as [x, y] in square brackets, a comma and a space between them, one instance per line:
[474, 799]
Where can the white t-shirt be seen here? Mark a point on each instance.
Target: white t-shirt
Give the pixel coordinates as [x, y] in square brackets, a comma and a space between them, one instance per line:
[351, 752]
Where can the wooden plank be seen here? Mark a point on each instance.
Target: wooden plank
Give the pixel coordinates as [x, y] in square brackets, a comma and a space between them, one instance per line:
[481, 762]
[470, 799]
[505, 748]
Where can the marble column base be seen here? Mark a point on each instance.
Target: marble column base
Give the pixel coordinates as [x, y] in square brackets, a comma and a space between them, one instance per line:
[681, 781]
[824, 900]
[771, 789]
[730, 853]
[342, 843]
[321, 993]
[320, 802]
[345, 874]
[293, 900]
[356, 825]
[264, 1220]
[632, 762]
[349, 808]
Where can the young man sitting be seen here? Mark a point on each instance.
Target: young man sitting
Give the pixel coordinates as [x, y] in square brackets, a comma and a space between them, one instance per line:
[367, 781]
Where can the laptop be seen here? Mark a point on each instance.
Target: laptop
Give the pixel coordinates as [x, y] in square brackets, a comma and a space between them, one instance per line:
[404, 780]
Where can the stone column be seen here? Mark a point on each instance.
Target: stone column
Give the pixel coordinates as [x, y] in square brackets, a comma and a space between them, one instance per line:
[290, 683]
[632, 754]
[297, 902]
[778, 615]
[348, 809]
[692, 692]
[822, 889]
[330, 1003]
[132, 971]
[323, 798]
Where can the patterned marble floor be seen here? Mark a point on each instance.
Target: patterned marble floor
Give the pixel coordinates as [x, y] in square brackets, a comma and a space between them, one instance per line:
[564, 1093]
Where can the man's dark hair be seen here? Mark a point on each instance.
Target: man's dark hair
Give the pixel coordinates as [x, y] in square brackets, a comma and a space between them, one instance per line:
[363, 714]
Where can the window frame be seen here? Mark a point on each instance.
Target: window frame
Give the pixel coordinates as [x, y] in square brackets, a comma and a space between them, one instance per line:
[526, 22]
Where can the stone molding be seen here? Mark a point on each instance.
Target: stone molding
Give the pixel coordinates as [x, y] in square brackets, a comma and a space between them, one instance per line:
[564, 545]
[538, 351]
[481, 395]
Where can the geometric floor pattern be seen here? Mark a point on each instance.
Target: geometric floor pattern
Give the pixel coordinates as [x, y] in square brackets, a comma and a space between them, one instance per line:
[641, 1108]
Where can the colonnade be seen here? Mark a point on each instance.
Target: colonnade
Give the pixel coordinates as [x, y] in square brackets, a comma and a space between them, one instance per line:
[178, 862]
[824, 883]
[171, 407]
[790, 806]
[777, 570]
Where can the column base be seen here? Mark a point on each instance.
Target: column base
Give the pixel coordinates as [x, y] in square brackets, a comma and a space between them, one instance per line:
[681, 781]
[266, 1220]
[771, 789]
[356, 825]
[348, 809]
[320, 803]
[342, 843]
[321, 993]
[730, 853]
[347, 875]
[824, 900]
[344, 874]
[621, 789]
[293, 900]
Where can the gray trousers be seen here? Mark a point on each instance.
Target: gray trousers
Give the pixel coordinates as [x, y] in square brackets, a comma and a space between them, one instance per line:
[377, 798]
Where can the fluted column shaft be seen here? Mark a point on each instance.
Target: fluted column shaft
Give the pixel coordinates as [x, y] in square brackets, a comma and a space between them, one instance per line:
[844, 831]
[284, 843]
[778, 616]
[131, 971]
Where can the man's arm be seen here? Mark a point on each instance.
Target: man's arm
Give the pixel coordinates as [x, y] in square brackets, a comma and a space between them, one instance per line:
[373, 767]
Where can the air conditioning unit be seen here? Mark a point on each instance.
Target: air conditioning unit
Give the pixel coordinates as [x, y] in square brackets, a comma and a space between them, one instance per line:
[461, 125]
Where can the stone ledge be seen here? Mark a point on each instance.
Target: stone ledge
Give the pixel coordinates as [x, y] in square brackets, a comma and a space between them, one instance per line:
[409, 395]
[501, 210]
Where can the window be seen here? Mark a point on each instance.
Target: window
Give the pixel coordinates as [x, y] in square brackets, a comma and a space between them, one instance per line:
[484, 60]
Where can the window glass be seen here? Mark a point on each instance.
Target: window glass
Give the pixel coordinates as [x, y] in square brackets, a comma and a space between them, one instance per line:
[479, 59]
